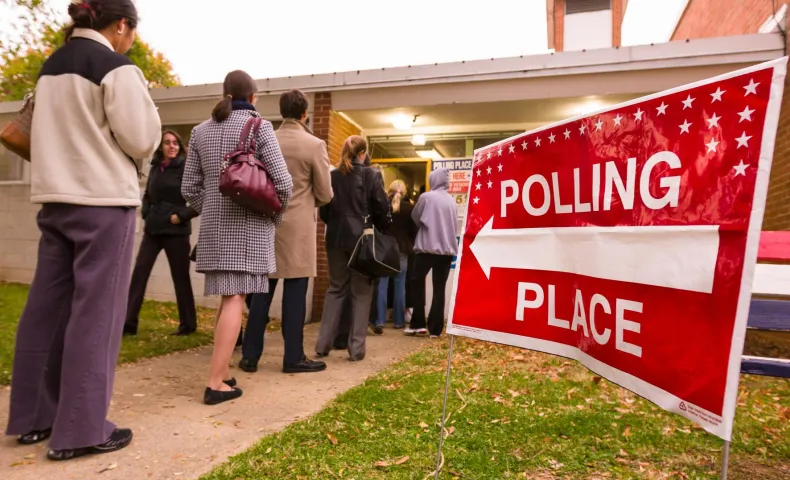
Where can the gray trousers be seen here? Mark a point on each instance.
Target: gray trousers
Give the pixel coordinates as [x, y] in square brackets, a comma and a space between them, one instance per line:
[70, 331]
[344, 283]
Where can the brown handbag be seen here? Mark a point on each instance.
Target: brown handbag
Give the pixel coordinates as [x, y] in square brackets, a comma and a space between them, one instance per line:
[15, 136]
[244, 179]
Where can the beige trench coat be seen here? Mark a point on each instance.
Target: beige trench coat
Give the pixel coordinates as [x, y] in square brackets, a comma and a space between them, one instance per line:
[308, 163]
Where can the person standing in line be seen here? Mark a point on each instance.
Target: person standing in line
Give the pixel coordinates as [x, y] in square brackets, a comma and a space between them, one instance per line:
[404, 230]
[235, 246]
[436, 217]
[358, 191]
[295, 245]
[167, 227]
[93, 115]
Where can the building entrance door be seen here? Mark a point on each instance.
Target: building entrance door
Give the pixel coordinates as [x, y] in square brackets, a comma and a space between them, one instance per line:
[413, 171]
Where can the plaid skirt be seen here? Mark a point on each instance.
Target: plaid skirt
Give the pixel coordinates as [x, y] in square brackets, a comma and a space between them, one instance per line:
[235, 283]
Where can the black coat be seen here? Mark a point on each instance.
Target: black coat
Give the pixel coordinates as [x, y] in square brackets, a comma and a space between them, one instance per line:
[163, 199]
[344, 215]
[403, 227]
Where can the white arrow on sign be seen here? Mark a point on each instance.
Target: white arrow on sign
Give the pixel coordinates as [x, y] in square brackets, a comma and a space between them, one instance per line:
[681, 257]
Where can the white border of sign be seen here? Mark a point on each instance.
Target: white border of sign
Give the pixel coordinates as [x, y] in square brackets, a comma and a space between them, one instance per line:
[720, 426]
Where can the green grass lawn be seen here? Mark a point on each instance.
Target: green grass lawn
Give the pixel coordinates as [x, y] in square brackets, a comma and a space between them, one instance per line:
[515, 414]
[157, 322]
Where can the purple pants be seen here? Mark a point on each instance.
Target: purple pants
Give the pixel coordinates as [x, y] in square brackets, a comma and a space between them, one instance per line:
[70, 331]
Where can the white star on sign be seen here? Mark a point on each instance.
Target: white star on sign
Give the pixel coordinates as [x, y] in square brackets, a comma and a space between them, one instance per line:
[478, 186]
[685, 127]
[740, 169]
[638, 114]
[476, 200]
[537, 142]
[524, 145]
[717, 95]
[499, 152]
[712, 146]
[713, 121]
[617, 120]
[582, 129]
[662, 109]
[687, 102]
[488, 170]
[479, 172]
[746, 114]
[598, 124]
[490, 184]
[499, 167]
[567, 134]
[489, 154]
[743, 140]
[751, 88]
[512, 148]
[551, 138]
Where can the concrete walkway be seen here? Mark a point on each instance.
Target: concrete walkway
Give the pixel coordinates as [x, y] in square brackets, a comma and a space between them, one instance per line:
[177, 437]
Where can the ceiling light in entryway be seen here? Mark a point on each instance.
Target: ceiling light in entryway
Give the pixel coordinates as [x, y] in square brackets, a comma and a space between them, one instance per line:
[418, 140]
[432, 154]
[403, 122]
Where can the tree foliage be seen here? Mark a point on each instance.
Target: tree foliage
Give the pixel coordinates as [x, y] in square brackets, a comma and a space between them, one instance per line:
[39, 33]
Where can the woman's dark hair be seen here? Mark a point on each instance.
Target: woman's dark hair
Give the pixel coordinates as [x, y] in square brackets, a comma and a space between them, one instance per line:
[239, 86]
[159, 154]
[100, 14]
[293, 104]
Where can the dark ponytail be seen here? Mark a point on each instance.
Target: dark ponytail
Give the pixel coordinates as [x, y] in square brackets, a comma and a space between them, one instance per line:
[100, 14]
[239, 86]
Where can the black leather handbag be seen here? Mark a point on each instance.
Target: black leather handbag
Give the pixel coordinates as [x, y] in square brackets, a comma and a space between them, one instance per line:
[376, 255]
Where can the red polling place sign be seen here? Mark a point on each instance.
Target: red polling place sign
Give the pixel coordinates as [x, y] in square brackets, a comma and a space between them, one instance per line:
[627, 240]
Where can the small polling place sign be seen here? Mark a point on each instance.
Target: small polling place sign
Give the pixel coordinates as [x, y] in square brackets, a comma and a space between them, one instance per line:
[627, 240]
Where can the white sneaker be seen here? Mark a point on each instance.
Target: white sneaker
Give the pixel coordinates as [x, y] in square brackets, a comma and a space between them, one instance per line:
[415, 331]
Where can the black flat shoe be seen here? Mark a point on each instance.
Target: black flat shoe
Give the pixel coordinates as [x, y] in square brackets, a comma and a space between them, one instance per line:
[305, 366]
[34, 437]
[127, 330]
[231, 383]
[378, 330]
[247, 365]
[321, 355]
[120, 438]
[215, 397]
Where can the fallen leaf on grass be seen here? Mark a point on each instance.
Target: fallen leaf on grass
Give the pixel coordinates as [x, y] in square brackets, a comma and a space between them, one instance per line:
[450, 430]
[269, 450]
[596, 380]
[627, 432]
[401, 461]
[331, 438]
[382, 463]
[423, 425]
[513, 394]
[555, 464]
[622, 453]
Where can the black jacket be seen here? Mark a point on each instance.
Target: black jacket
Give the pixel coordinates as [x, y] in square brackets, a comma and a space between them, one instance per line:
[344, 215]
[403, 227]
[163, 199]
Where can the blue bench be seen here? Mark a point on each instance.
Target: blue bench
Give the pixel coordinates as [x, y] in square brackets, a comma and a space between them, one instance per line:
[770, 305]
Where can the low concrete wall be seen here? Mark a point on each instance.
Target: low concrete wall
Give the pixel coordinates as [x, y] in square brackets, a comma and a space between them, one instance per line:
[19, 245]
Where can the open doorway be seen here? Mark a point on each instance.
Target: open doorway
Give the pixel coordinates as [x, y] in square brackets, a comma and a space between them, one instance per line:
[413, 171]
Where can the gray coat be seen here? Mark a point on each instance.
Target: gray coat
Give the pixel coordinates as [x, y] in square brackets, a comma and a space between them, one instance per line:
[436, 217]
[232, 238]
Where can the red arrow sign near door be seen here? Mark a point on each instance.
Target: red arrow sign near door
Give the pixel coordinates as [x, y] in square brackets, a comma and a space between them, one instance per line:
[627, 239]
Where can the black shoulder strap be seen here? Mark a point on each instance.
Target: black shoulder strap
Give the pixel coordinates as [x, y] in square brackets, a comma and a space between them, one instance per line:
[364, 195]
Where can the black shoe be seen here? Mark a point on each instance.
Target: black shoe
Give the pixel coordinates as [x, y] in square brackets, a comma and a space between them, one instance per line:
[183, 332]
[215, 397]
[321, 355]
[129, 330]
[340, 343]
[35, 436]
[231, 383]
[305, 366]
[378, 330]
[248, 365]
[119, 439]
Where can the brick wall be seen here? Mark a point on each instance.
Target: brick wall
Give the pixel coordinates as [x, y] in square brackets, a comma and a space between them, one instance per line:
[718, 18]
[721, 18]
[333, 129]
[559, 25]
[618, 12]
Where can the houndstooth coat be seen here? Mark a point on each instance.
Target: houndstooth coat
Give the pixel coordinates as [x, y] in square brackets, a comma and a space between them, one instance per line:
[232, 238]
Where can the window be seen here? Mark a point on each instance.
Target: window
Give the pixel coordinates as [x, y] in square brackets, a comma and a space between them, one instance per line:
[583, 6]
[12, 167]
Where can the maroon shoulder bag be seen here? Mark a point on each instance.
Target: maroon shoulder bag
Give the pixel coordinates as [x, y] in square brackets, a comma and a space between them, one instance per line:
[244, 179]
